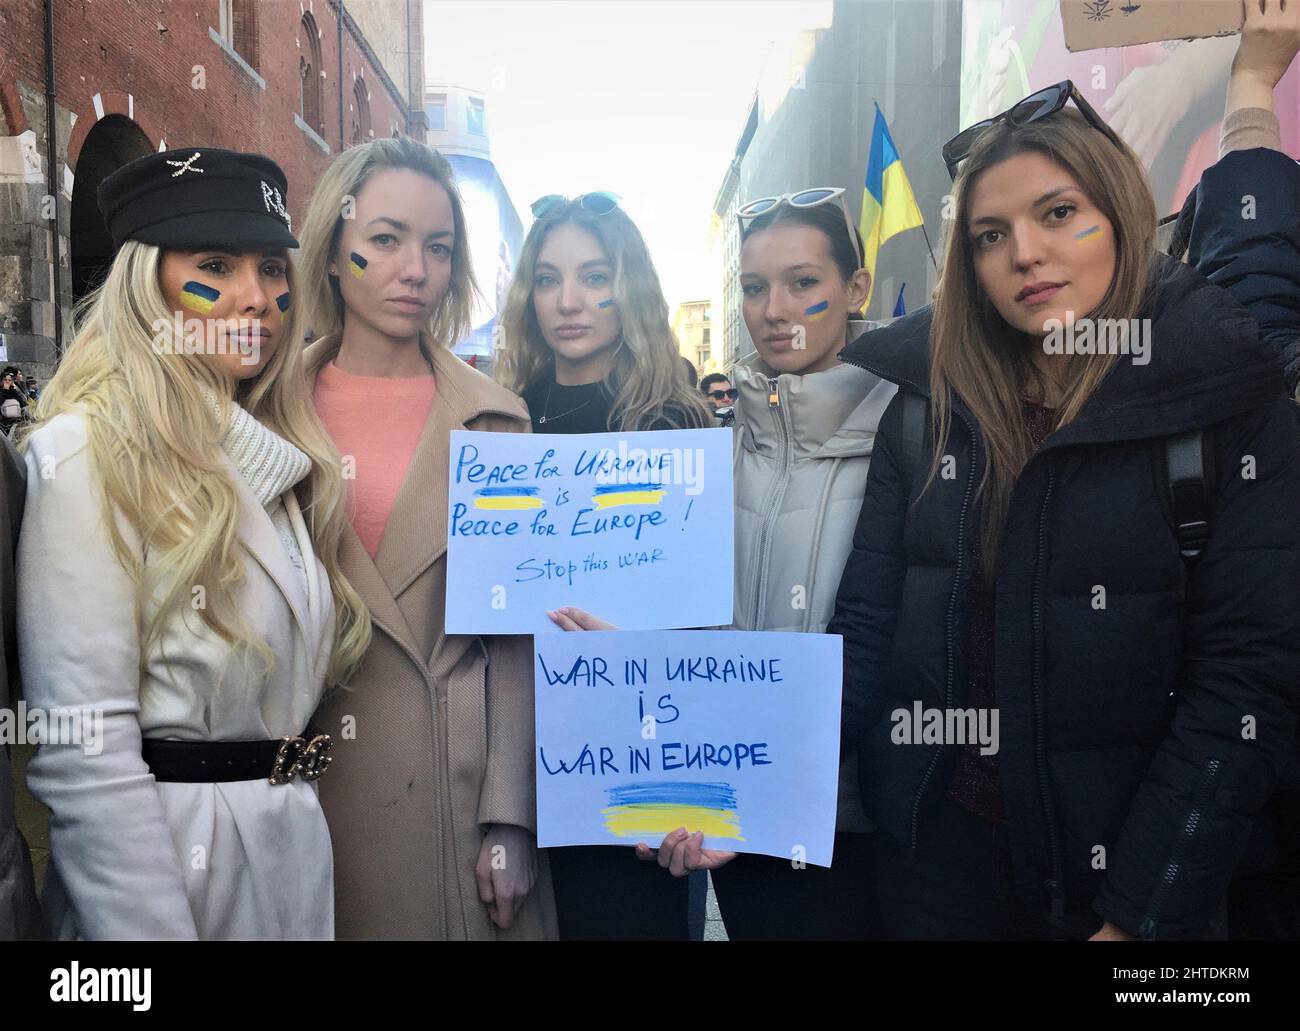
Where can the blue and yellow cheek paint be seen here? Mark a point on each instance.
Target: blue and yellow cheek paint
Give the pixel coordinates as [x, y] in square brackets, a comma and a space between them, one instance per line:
[817, 312]
[199, 297]
[357, 264]
[1093, 233]
[606, 303]
[282, 302]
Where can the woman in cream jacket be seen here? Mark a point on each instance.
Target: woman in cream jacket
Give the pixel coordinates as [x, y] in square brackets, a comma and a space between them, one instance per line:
[179, 595]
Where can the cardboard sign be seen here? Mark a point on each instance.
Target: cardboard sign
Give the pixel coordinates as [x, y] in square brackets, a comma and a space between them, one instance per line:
[635, 528]
[1090, 24]
[736, 734]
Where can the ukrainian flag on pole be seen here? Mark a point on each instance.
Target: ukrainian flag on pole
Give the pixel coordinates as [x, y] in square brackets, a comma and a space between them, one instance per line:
[888, 204]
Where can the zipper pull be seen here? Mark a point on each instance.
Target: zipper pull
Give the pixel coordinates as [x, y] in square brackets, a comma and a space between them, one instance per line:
[773, 398]
[1057, 920]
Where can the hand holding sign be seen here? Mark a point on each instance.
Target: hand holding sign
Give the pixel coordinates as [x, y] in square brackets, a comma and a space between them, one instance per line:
[682, 852]
[571, 619]
[1270, 39]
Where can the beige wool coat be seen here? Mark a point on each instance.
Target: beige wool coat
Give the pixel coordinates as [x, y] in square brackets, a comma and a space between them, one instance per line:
[434, 733]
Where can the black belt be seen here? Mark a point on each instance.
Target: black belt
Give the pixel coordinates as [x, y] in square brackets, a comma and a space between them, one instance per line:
[205, 762]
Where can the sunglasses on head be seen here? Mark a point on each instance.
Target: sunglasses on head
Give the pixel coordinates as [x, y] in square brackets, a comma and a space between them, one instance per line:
[1033, 108]
[599, 202]
[802, 199]
[724, 395]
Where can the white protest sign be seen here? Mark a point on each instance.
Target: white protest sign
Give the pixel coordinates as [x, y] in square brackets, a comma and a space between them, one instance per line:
[733, 733]
[635, 528]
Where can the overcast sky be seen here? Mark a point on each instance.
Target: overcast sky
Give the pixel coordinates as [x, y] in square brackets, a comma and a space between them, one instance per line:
[645, 99]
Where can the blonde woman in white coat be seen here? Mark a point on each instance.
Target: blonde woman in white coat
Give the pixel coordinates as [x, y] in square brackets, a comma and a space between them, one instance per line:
[804, 431]
[178, 578]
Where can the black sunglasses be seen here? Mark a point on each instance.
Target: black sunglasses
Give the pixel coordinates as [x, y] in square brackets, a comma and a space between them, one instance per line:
[727, 395]
[599, 202]
[1033, 108]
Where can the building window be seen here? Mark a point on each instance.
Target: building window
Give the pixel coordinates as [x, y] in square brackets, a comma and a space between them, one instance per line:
[476, 117]
[239, 26]
[436, 109]
[360, 112]
[705, 341]
[309, 74]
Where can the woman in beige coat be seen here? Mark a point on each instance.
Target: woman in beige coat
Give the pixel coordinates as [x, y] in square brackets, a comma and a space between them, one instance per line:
[432, 814]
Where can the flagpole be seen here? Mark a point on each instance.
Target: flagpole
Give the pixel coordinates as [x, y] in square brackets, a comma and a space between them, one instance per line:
[928, 247]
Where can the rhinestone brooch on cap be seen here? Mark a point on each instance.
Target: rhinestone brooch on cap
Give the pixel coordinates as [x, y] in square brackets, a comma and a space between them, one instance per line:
[185, 166]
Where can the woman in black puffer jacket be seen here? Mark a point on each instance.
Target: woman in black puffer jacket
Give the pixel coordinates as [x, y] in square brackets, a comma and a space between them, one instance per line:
[1136, 705]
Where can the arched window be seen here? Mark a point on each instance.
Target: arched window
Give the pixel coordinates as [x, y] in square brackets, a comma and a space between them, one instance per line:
[360, 111]
[309, 73]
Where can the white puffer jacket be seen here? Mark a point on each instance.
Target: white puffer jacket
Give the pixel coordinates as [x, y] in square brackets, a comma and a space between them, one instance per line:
[803, 444]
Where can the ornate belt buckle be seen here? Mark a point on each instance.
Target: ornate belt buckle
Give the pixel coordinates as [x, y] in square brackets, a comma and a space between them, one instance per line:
[287, 760]
[316, 758]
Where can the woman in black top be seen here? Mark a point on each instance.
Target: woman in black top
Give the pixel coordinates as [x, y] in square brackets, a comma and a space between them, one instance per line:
[585, 333]
[586, 342]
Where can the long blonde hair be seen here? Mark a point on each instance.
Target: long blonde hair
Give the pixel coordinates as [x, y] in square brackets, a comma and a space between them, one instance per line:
[155, 448]
[338, 189]
[977, 355]
[648, 380]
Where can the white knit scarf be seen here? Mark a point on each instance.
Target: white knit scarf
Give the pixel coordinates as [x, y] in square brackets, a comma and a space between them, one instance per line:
[269, 464]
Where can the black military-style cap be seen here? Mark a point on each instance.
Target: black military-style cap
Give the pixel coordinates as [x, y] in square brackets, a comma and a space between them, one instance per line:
[198, 197]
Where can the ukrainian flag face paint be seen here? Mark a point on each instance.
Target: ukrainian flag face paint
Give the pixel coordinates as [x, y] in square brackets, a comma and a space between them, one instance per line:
[817, 312]
[282, 302]
[1093, 233]
[357, 264]
[199, 297]
[606, 303]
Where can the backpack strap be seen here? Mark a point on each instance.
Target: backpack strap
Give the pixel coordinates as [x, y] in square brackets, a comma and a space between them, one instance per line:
[1189, 498]
[1180, 235]
[913, 435]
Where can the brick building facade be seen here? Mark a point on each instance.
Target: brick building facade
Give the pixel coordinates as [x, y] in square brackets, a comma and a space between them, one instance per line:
[296, 81]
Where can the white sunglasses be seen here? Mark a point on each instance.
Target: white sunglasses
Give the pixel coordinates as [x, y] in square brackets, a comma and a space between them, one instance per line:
[803, 199]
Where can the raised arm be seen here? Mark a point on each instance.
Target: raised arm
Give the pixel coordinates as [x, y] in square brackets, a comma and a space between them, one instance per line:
[1246, 233]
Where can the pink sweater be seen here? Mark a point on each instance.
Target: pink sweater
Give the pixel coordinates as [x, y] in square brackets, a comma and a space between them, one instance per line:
[376, 422]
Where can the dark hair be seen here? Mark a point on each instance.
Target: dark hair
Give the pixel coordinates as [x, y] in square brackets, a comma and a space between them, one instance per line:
[712, 378]
[691, 374]
[828, 218]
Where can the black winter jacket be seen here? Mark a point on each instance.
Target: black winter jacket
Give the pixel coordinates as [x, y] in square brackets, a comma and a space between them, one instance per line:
[1137, 739]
